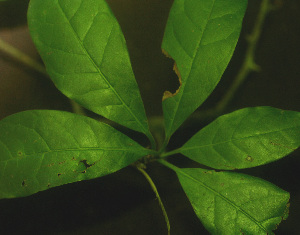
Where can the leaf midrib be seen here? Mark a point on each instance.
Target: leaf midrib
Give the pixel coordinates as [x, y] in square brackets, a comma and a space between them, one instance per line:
[80, 149]
[145, 131]
[231, 140]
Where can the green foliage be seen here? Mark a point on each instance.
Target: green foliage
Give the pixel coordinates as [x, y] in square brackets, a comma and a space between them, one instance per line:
[44, 149]
[233, 203]
[245, 138]
[85, 55]
[200, 36]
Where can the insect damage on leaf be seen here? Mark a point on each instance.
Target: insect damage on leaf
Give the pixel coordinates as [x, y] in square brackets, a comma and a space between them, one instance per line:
[86, 165]
[168, 94]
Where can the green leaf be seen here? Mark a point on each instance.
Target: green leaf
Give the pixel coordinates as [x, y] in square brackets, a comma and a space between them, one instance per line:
[200, 36]
[245, 138]
[84, 50]
[233, 203]
[44, 149]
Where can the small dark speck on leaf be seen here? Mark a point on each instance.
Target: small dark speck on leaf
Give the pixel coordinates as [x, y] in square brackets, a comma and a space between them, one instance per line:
[59, 174]
[24, 183]
[20, 154]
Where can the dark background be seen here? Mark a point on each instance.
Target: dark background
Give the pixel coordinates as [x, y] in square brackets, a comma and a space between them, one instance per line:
[123, 203]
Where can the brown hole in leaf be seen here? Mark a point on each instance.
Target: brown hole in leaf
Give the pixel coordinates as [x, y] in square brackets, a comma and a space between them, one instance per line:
[24, 183]
[59, 174]
[86, 164]
[168, 94]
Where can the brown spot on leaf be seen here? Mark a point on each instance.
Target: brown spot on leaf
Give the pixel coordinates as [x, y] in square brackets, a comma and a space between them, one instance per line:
[24, 183]
[249, 158]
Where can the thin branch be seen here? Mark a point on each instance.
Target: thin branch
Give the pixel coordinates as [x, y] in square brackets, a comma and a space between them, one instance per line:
[22, 57]
[141, 168]
[247, 67]
[33, 64]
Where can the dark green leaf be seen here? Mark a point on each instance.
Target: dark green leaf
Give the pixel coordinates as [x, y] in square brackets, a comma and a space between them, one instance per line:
[44, 149]
[245, 138]
[85, 54]
[232, 203]
[200, 36]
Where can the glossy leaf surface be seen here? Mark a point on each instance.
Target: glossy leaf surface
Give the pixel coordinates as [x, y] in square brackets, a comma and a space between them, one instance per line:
[245, 138]
[84, 50]
[233, 203]
[200, 36]
[44, 149]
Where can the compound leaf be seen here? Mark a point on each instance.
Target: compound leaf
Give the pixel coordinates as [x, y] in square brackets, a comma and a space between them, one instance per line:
[44, 149]
[245, 138]
[84, 50]
[233, 203]
[200, 36]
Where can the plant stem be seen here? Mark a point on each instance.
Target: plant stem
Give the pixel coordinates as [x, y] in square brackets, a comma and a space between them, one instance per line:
[152, 141]
[164, 145]
[33, 64]
[247, 67]
[76, 108]
[169, 165]
[22, 57]
[141, 169]
[163, 155]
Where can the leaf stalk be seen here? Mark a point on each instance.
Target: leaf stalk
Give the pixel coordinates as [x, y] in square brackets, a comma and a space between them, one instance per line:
[141, 168]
